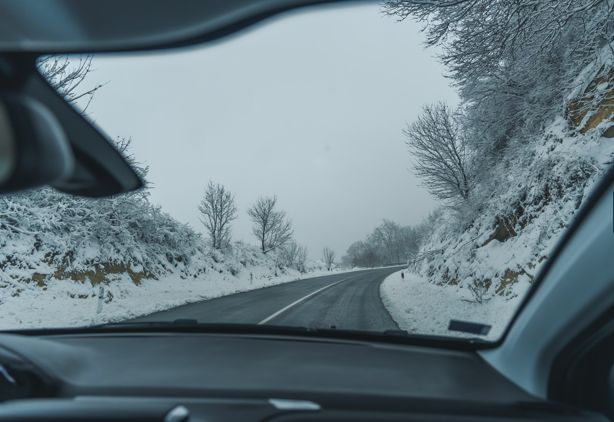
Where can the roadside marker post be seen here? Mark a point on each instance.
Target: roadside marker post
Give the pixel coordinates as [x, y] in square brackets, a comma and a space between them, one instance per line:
[100, 299]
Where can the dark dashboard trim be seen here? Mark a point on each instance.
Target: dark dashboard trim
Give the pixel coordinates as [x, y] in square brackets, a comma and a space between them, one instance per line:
[292, 333]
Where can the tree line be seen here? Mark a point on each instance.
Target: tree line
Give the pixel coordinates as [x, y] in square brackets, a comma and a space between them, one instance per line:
[389, 243]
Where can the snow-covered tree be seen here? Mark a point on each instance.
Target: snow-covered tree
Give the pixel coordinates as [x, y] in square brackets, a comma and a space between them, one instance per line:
[328, 256]
[513, 61]
[301, 259]
[293, 255]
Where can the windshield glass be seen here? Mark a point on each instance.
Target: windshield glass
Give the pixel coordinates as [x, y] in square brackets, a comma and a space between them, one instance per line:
[382, 168]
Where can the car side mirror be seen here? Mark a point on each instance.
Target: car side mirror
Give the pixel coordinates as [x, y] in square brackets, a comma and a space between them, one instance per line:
[34, 150]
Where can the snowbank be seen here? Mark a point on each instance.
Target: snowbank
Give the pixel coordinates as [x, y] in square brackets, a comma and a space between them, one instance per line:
[66, 303]
[421, 307]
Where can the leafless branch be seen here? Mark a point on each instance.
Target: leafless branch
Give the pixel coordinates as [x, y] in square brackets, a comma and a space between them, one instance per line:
[218, 210]
[328, 256]
[271, 226]
[439, 151]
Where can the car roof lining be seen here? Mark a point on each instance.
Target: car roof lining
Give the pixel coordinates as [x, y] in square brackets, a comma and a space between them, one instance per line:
[141, 25]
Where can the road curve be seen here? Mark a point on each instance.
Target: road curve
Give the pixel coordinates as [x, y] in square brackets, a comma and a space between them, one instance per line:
[345, 301]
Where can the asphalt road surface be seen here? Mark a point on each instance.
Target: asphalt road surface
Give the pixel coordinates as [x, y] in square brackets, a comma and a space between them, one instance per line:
[346, 301]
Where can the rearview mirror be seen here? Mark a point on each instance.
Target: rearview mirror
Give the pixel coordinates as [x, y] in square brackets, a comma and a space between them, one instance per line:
[34, 150]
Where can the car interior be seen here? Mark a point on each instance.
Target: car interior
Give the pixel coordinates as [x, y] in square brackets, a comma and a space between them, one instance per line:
[554, 361]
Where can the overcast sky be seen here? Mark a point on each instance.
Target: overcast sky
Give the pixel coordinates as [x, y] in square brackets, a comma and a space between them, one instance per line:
[308, 107]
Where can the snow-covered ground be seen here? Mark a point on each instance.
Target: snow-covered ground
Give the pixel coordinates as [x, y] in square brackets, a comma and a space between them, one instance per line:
[66, 303]
[425, 308]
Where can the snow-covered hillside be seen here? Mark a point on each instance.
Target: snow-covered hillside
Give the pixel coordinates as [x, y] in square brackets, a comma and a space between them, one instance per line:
[45, 285]
[489, 250]
[65, 302]
[56, 251]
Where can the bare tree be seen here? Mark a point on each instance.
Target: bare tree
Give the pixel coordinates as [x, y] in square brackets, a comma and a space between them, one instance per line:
[293, 255]
[387, 239]
[289, 253]
[67, 76]
[328, 255]
[271, 226]
[438, 147]
[301, 259]
[479, 290]
[218, 210]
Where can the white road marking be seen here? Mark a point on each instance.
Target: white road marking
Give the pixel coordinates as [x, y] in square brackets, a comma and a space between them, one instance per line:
[296, 302]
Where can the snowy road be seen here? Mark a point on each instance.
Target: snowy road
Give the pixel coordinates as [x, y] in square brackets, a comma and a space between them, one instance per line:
[346, 301]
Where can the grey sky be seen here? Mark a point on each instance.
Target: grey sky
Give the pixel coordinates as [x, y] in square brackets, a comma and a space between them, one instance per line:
[309, 107]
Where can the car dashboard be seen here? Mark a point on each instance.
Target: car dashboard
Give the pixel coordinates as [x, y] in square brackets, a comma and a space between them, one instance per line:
[162, 376]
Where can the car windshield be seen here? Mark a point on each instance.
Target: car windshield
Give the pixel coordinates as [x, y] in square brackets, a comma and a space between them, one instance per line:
[391, 168]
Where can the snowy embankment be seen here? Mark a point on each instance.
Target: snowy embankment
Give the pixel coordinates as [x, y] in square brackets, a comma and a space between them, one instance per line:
[478, 258]
[66, 303]
[479, 271]
[58, 253]
[421, 307]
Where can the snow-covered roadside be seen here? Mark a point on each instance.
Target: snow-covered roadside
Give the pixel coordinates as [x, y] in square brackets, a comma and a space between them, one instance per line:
[66, 303]
[425, 308]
